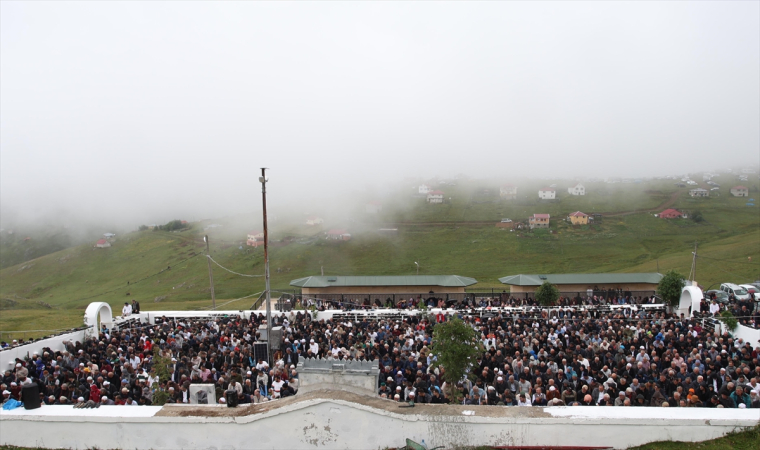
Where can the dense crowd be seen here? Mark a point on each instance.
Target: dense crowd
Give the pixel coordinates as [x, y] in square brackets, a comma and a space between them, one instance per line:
[118, 368]
[563, 356]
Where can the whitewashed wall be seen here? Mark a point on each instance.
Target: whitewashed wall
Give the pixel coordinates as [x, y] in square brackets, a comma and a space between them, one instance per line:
[8, 356]
[338, 424]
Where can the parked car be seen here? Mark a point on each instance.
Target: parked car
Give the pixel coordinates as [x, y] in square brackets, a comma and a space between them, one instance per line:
[717, 294]
[739, 292]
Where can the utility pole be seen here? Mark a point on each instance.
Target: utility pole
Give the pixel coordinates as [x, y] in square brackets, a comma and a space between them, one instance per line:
[210, 274]
[263, 180]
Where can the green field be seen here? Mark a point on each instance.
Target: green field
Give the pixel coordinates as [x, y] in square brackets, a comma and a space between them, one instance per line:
[51, 292]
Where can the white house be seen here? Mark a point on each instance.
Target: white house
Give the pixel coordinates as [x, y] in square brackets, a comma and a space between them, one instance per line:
[424, 189]
[740, 191]
[314, 220]
[578, 189]
[547, 194]
[508, 192]
[255, 238]
[373, 207]
[435, 197]
[699, 192]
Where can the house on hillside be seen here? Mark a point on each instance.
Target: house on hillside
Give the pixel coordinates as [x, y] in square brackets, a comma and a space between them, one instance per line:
[435, 197]
[578, 189]
[505, 223]
[102, 243]
[547, 193]
[314, 220]
[109, 235]
[508, 192]
[338, 234]
[373, 207]
[740, 191]
[424, 189]
[255, 238]
[699, 192]
[538, 221]
[671, 214]
[578, 218]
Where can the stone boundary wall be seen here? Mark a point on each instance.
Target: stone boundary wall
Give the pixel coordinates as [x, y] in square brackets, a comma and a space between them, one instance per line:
[339, 424]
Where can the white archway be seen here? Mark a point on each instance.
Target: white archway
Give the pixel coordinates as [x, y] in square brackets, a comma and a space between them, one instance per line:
[690, 298]
[95, 311]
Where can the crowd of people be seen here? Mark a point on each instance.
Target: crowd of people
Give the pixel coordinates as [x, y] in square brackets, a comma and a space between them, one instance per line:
[532, 357]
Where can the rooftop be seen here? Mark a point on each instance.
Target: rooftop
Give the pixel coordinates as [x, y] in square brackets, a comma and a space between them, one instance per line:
[384, 280]
[581, 278]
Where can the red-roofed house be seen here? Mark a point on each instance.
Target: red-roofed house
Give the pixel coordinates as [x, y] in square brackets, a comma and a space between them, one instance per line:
[508, 191]
[435, 197]
[255, 238]
[740, 191]
[671, 214]
[338, 234]
[373, 207]
[102, 243]
[539, 221]
[547, 194]
[578, 218]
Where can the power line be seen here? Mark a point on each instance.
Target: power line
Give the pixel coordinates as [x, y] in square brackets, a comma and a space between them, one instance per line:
[231, 271]
[232, 301]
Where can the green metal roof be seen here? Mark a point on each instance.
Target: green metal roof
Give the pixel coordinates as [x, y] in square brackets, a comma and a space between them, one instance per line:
[581, 278]
[390, 280]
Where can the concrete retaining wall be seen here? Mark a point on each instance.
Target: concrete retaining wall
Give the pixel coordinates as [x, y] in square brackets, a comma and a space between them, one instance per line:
[338, 424]
[750, 335]
[8, 356]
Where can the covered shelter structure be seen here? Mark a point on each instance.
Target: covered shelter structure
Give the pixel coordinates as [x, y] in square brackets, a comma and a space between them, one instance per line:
[383, 284]
[587, 284]
[385, 290]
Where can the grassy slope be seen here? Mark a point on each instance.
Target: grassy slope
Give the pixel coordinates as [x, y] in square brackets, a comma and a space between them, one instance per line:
[70, 279]
[749, 439]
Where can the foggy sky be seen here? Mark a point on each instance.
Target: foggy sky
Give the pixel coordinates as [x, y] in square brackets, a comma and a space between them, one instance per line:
[146, 111]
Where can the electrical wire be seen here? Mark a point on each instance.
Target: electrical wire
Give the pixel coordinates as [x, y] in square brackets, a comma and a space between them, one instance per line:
[232, 271]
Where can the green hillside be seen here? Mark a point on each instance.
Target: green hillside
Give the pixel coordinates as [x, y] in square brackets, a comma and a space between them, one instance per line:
[167, 270]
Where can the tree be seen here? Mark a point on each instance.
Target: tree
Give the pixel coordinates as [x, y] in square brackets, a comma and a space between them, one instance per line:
[162, 372]
[727, 317]
[696, 216]
[456, 347]
[670, 288]
[547, 294]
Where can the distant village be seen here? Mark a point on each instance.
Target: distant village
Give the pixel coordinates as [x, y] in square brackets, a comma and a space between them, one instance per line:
[433, 193]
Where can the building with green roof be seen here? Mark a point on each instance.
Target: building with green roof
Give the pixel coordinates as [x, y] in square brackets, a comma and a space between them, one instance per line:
[583, 282]
[383, 284]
